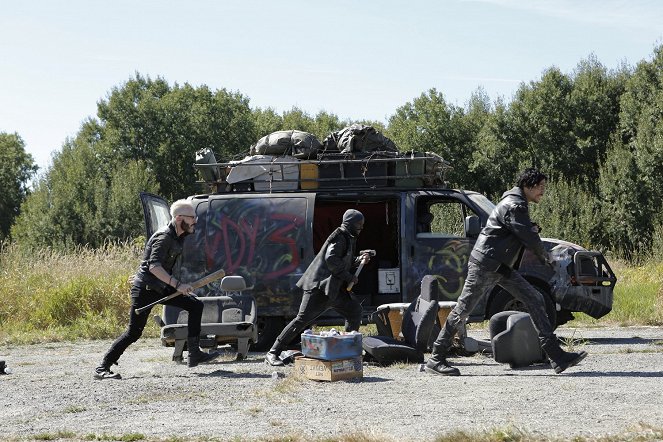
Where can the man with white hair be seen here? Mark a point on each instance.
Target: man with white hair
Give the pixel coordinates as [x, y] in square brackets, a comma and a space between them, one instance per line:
[153, 281]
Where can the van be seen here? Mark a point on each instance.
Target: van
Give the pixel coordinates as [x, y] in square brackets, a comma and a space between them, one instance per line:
[269, 231]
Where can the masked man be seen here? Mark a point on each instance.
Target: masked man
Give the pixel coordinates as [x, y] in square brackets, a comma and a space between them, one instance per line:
[153, 281]
[325, 284]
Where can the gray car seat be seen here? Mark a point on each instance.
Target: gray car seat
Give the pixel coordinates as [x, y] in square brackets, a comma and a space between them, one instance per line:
[227, 319]
[514, 339]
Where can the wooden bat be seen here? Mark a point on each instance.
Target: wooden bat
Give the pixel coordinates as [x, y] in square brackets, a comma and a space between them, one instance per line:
[196, 284]
[361, 266]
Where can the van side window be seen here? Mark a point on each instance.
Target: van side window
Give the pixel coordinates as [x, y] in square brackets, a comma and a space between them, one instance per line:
[441, 219]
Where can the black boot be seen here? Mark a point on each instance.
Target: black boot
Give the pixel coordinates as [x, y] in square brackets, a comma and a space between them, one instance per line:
[104, 372]
[196, 356]
[272, 357]
[560, 360]
[437, 364]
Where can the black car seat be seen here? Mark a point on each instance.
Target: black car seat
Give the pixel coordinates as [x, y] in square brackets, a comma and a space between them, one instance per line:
[418, 324]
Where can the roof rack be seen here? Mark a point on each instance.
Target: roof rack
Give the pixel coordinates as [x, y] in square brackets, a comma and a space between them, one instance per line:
[327, 171]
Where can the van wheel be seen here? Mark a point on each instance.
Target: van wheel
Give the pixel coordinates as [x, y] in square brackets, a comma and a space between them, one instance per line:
[269, 328]
[503, 301]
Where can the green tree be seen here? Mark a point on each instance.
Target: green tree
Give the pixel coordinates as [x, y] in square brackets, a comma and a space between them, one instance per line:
[541, 124]
[428, 123]
[85, 198]
[567, 212]
[641, 126]
[16, 169]
[625, 223]
[495, 163]
[164, 126]
[266, 122]
[594, 101]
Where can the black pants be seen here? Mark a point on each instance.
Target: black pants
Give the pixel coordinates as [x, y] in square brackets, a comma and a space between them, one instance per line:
[314, 303]
[141, 297]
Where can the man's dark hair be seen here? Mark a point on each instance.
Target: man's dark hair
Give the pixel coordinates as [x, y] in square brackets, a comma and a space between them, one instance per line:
[530, 177]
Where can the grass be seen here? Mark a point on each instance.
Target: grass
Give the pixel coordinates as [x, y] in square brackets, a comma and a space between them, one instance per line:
[642, 433]
[638, 297]
[48, 295]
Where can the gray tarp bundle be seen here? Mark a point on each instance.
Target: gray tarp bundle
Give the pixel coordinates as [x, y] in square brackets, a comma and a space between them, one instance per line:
[358, 138]
[287, 142]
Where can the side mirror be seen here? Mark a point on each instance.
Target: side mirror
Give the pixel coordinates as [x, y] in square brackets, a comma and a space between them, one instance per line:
[472, 226]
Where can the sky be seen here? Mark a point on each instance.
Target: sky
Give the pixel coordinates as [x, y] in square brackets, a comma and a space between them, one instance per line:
[357, 59]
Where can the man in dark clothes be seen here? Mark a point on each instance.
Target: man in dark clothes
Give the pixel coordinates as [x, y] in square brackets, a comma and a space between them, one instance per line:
[154, 281]
[495, 255]
[325, 282]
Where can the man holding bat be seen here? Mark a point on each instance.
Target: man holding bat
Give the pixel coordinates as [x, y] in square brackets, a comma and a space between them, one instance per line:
[326, 283]
[153, 282]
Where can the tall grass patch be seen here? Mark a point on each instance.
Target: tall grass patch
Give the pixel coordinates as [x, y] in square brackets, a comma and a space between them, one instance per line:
[50, 294]
[638, 296]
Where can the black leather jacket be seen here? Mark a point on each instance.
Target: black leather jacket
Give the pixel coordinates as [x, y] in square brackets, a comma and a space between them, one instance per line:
[163, 248]
[330, 269]
[508, 231]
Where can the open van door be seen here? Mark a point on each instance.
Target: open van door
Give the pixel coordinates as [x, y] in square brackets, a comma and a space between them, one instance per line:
[156, 212]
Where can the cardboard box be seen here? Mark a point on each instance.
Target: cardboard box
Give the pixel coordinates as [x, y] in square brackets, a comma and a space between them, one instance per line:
[330, 348]
[320, 370]
[389, 280]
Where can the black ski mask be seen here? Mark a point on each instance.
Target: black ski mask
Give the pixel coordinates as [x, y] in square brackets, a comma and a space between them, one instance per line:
[353, 221]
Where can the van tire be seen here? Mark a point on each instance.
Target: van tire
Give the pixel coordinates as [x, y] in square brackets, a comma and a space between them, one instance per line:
[502, 300]
[269, 328]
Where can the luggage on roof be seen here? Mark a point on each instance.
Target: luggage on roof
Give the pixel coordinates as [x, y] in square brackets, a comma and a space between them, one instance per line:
[296, 143]
[358, 138]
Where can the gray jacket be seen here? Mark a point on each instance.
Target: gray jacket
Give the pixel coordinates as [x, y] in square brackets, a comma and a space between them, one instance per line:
[508, 232]
[330, 269]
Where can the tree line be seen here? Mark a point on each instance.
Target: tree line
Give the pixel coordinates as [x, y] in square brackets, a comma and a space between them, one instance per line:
[596, 132]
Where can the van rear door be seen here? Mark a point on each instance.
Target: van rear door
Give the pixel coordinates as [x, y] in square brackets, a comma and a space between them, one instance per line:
[156, 212]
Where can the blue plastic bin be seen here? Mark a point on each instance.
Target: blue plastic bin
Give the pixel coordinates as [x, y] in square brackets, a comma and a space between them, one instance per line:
[330, 348]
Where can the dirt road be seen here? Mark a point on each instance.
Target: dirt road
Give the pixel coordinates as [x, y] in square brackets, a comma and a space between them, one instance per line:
[618, 388]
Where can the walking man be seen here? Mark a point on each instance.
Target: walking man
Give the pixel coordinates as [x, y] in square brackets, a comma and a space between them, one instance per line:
[493, 259]
[153, 281]
[325, 284]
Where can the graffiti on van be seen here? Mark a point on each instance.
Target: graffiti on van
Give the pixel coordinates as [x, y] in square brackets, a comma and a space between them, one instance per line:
[447, 262]
[261, 238]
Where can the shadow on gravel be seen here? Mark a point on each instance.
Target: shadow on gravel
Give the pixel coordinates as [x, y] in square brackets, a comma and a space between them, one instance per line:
[232, 374]
[373, 380]
[616, 374]
[624, 341]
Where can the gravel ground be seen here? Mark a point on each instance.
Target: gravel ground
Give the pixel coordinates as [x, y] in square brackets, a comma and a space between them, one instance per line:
[617, 389]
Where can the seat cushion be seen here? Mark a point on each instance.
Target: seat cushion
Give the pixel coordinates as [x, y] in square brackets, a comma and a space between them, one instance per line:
[385, 350]
[518, 345]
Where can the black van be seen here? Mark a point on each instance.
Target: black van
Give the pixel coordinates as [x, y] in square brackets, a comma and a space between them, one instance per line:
[269, 229]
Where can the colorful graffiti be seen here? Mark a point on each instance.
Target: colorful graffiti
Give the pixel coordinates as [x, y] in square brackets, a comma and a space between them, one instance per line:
[258, 236]
[446, 259]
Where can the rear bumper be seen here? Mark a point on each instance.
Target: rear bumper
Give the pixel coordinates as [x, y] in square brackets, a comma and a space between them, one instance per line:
[590, 286]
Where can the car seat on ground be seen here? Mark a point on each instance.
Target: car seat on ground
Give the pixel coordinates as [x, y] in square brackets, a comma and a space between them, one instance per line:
[515, 340]
[227, 319]
[418, 323]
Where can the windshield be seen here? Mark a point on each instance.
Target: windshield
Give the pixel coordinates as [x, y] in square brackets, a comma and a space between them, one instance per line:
[484, 203]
